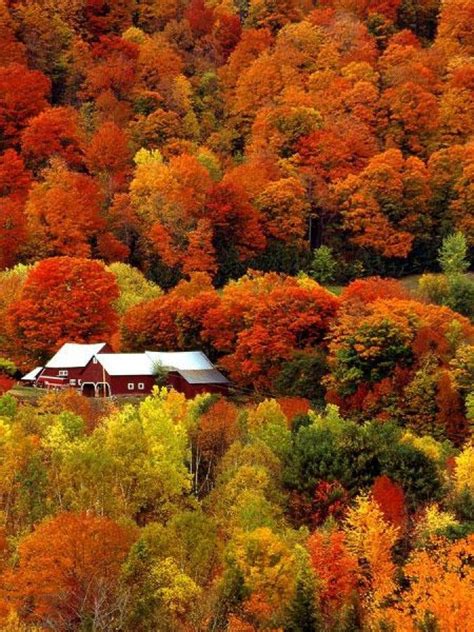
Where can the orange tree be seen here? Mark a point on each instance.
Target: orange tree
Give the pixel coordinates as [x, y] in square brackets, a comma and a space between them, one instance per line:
[14, 183]
[68, 572]
[438, 593]
[262, 321]
[172, 321]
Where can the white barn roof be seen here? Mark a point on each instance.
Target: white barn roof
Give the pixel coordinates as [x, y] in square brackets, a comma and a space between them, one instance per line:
[181, 360]
[126, 363]
[74, 355]
[194, 366]
[32, 375]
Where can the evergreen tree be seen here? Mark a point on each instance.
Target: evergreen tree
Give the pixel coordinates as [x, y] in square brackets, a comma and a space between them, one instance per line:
[303, 613]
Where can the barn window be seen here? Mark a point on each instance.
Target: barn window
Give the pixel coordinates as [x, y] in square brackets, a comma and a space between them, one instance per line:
[131, 386]
[141, 386]
[72, 382]
[94, 360]
[63, 373]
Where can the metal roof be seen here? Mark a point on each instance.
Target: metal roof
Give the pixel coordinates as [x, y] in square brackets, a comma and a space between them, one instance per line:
[181, 360]
[32, 375]
[74, 355]
[126, 363]
[204, 376]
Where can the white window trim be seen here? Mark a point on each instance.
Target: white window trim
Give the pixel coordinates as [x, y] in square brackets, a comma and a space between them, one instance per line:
[63, 373]
[141, 386]
[94, 360]
[131, 386]
[72, 382]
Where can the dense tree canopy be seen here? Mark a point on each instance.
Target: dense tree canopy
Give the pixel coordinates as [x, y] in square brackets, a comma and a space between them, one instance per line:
[237, 129]
[196, 174]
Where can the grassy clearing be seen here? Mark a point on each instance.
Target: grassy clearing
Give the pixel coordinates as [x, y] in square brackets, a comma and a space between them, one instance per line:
[26, 393]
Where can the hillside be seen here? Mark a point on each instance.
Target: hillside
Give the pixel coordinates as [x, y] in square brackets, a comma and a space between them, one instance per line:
[286, 189]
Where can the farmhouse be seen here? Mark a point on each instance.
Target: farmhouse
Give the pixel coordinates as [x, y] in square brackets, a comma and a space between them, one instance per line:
[96, 371]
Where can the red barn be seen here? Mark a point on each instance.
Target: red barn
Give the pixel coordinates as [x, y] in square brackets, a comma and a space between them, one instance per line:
[66, 367]
[95, 371]
[118, 374]
[190, 372]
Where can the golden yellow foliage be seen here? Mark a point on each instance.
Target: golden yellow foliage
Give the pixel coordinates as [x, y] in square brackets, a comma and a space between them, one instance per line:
[464, 475]
[371, 539]
[434, 521]
[267, 564]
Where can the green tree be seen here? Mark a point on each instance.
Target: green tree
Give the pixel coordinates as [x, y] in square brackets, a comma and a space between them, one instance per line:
[302, 377]
[324, 265]
[8, 406]
[415, 472]
[453, 254]
[454, 288]
[303, 611]
[470, 407]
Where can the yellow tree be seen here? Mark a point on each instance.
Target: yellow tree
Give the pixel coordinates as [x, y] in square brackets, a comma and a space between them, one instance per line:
[371, 539]
[268, 568]
[464, 474]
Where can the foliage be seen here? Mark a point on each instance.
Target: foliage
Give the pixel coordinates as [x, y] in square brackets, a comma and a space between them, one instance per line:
[453, 254]
[323, 266]
[441, 582]
[63, 299]
[371, 540]
[67, 584]
[133, 287]
[180, 175]
[464, 473]
[455, 288]
[336, 569]
[173, 511]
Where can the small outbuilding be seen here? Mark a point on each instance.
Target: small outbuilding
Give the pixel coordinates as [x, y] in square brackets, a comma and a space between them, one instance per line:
[30, 378]
[190, 372]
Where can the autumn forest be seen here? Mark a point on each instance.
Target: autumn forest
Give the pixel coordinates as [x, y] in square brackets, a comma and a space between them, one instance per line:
[286, 186]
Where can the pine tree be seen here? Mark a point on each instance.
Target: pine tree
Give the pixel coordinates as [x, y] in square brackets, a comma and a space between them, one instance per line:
[303, 612]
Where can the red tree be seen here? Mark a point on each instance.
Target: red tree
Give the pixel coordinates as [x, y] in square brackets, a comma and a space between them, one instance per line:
[364, 291]
[54, 132]
[14, 183]
[11, 50]
[108, 155]
[391, 500]
[200, 17]
[287, 320]
[23, 94]
[173, 321]
[336, 567]
[64, 212]
[64, 299]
